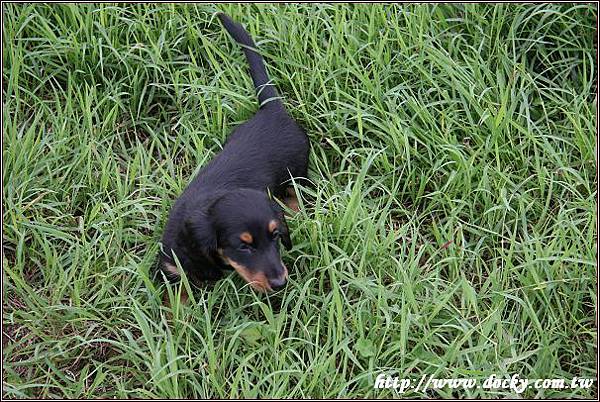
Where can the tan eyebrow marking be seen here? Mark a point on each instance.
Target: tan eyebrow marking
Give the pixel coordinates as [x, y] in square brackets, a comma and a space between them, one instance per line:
[272, 225]
[246, 237]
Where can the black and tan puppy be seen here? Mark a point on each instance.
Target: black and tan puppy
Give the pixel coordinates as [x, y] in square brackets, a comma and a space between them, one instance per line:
[225, 216]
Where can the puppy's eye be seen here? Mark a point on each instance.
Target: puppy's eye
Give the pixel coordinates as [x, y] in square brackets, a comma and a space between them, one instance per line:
[246, 248]
[275, 234]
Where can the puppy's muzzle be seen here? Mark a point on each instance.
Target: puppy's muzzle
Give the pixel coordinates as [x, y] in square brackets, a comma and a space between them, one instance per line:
[258, 280]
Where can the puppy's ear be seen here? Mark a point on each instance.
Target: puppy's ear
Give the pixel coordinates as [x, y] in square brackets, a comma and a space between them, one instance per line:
[283, 230]
[202, 232]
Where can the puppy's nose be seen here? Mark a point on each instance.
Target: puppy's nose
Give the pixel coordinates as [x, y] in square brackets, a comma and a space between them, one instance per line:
[277, 284]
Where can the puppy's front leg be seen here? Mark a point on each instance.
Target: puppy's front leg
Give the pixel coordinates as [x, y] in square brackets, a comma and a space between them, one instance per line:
[291, 200]
[205, 271]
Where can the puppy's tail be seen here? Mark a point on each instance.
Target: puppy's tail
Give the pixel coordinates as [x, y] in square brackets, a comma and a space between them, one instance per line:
[265, 89]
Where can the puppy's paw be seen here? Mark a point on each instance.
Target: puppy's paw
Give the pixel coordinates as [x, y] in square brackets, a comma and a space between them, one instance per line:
[291, 200]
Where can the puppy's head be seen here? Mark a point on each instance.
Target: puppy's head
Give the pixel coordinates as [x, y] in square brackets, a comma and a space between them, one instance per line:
[245, 227]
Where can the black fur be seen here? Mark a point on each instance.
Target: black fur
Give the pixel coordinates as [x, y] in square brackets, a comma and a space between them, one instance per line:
[230, 194]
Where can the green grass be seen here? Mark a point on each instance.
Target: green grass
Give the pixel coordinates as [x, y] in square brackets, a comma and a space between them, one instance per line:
[451, 230]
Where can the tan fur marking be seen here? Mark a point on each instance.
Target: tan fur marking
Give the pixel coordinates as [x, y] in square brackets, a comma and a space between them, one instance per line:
[257, 280]
[272, 225]
[172, 269]
[246, 237]
[292, 204]
[183, 298]
[291, 200]
[222, 256]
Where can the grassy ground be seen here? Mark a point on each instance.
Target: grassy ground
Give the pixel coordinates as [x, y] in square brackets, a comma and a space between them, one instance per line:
[451, 232]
